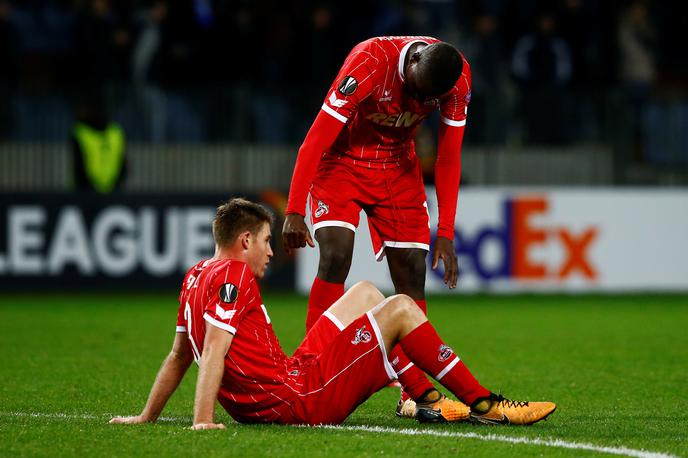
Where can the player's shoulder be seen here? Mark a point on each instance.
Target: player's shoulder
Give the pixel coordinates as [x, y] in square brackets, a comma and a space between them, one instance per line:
[231, 271]
[462, 87]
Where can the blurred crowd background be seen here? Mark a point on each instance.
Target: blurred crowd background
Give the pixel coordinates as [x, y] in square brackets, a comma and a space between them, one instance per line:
[594, 78]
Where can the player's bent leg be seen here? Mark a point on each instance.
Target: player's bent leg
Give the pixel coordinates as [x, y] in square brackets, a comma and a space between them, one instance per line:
[425, 348]
[336, 246]
[336, 249]
[397, 317]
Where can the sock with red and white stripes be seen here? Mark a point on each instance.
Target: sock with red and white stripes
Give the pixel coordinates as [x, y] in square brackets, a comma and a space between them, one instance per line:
[413, 380]
[323, 294]
[425, 348]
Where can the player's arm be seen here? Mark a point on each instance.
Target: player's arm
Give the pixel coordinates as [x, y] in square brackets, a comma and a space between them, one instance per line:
[169, 376]
[447, 178]
[211, 369]
[319, 139]
[454, 110]
[357, 79]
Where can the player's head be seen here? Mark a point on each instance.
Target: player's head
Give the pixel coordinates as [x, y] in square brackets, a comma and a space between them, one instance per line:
[433, 70]
[243, 228]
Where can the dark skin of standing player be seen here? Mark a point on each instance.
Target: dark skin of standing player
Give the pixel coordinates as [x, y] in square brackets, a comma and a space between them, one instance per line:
[406, 265]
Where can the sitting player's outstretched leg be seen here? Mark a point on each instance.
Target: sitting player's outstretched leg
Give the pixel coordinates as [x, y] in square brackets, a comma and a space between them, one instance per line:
[401, 321]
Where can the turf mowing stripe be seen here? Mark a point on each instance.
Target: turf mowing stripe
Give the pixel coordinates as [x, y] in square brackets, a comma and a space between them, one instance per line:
[558, 443]
[498, 438]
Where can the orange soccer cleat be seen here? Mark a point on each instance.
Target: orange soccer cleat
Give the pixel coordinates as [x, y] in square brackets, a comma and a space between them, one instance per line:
[441, 411]
[504, 411]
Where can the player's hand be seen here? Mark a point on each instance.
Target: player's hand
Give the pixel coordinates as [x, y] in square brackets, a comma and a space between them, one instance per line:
[133, 420]
[444, 250]
[199, 426]
[295, 233]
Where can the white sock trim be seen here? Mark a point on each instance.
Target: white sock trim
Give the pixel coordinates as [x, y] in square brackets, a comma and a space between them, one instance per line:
[449, 367]
[408, 366]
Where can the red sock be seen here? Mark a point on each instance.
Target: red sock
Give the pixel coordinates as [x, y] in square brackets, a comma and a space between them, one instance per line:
[426, 349]
[323, 294]
[413, 380]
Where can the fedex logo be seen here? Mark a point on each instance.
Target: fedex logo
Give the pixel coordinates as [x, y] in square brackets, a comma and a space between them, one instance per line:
[518, 237]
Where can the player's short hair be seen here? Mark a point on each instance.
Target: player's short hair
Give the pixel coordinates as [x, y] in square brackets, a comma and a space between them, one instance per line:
[439, 68]
[238, 215]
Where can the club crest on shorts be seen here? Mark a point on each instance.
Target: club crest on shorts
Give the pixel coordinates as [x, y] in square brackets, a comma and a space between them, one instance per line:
[445, 353]
[362, 336]
[322, 209]
[348, 85]
[228, 293]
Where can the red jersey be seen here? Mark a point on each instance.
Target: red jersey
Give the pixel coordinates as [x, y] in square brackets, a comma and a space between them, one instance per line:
[381, 118]
[255, 382]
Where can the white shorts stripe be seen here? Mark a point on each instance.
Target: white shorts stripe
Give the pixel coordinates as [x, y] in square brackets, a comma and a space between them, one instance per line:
[449, 367]
[327, 314]
[451, 122]
[219, 324]
[388, 366]
[333, 223]
[408, 366]
[181, 329]
[334, 114]
[379, 256]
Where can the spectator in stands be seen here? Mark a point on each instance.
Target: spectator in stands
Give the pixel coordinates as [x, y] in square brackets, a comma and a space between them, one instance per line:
[541, 64]
[9, 56]
[637, 38]
[489, 100]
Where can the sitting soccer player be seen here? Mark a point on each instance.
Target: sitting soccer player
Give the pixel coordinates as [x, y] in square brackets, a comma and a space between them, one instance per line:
[224, 326]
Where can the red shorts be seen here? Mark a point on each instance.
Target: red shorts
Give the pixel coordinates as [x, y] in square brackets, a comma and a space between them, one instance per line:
[393, 199]
[342, 368]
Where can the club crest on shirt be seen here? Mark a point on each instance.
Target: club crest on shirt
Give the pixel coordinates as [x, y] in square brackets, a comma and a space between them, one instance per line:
[468, 96]
[362, 336]
[348, 85]
[228, 293]
[445, 353]
[322, 209]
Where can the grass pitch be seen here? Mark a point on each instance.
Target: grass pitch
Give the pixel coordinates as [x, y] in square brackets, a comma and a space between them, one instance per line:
[616, 365]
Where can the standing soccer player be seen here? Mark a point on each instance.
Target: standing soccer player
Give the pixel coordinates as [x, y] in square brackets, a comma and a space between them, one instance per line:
[360, 154]
[224, 326]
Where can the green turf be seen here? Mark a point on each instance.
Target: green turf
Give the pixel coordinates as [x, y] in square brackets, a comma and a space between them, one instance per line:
[616, 365]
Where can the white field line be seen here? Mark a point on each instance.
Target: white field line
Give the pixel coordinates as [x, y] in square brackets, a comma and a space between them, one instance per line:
[489, 437]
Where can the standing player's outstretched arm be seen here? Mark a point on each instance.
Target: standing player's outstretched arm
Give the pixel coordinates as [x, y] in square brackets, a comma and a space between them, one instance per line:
[320, 137]
[447, 178]
[166, 382]
[212, 366]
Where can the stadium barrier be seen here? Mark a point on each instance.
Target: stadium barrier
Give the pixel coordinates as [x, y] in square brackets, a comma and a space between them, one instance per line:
[34, 167]
[549, 239]
[82, 242]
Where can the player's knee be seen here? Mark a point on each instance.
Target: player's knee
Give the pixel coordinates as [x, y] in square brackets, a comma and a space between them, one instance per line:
[370, 291]
[404, 308]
